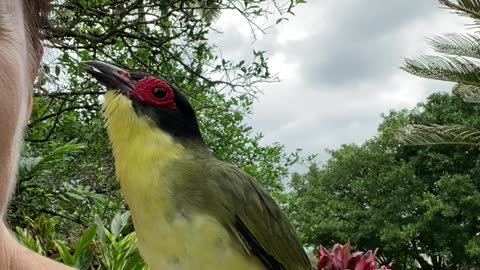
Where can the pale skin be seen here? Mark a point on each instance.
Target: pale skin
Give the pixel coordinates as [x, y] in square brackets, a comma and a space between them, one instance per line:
[18, 69]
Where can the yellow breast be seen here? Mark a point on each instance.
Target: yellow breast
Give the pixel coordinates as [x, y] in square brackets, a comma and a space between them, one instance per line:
[167, 238]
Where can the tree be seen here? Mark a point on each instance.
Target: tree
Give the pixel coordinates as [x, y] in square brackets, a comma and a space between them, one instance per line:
[420, 205]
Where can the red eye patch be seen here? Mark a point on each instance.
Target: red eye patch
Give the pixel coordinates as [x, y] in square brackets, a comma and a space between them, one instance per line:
[144, 92]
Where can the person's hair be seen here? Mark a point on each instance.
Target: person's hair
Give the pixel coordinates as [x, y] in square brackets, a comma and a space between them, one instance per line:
[36, 18]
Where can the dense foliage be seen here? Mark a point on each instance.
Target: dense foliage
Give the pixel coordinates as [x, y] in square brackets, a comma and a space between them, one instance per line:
[418, 204]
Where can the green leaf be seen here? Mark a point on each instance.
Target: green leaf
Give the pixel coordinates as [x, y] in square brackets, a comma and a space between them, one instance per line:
[116, 225]
[135, 262]
[30, 167]
[84, 262]
[28, 241]
[125, 217]
[457, 44]
[64, 254]
[75, 196]
[468, 8]
[454, 69]
[46, 68]
[85, 240]
[100, 228]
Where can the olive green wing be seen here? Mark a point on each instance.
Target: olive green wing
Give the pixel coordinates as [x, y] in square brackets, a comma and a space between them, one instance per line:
[257, 220]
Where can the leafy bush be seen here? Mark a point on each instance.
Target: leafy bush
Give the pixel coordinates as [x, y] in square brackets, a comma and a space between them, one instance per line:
[98, 247]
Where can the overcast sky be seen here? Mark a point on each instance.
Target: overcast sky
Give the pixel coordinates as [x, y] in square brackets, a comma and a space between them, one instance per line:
[338, 61]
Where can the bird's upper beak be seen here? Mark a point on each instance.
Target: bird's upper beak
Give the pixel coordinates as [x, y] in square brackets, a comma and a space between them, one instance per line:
[111, 76]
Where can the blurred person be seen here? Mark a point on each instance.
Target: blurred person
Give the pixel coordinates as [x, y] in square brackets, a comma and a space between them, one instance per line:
[20, 54]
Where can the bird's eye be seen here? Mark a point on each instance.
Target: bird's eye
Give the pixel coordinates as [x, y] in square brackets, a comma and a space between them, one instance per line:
[159, 92]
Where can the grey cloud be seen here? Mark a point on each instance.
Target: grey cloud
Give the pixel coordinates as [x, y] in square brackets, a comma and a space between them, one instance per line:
[233, 44]
[362, 42]
[361, 19]
[350, 61]
[345, 72]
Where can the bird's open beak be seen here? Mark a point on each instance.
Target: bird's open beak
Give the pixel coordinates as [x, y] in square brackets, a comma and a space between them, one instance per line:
[111, 76]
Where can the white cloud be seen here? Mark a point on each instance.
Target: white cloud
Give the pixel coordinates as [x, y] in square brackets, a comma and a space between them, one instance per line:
[339, 65]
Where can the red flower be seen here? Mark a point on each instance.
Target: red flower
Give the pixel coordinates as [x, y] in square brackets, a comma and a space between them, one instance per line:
[341, 259]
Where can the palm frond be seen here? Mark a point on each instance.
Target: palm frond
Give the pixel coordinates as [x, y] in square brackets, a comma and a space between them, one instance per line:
[445, 68]
[469, 93]
[439, 134]
[468, 8]
[209, 10]
[457, 44]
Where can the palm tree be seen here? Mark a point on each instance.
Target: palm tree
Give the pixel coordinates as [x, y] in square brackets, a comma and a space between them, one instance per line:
[458, 61]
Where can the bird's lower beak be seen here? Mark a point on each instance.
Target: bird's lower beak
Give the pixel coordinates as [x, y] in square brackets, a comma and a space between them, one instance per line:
[111, 76]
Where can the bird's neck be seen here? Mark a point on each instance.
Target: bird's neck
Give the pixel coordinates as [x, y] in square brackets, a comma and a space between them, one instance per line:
[134, 136]
[138, 144]
[142, 154]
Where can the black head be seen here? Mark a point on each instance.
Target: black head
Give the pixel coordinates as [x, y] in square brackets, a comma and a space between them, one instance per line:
[154, 98]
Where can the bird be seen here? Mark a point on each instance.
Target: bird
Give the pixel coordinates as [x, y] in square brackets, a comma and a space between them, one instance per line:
[189, 209]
